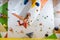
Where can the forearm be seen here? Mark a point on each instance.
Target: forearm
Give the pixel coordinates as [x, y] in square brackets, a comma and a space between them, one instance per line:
[20, 17]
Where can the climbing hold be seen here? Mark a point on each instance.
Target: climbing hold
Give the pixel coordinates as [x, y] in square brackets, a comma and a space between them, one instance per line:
[33, 3]
[6, 35]
[39, 14]
[37, 4]
[40, 24]
[37, 10]
[11, 30]
[25, 2]
[49, 28]
[46, 35]
[40, 30]
[56, 28]
[43, 2]
[21, 31]
[47, 16]
[30, 34]
[44, 17]
[37, 19]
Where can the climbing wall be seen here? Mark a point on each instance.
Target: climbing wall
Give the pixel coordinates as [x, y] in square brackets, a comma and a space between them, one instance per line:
[40, 22]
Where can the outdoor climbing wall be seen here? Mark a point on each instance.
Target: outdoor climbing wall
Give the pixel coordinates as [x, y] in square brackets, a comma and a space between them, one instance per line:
[28, 19]
[41, 21]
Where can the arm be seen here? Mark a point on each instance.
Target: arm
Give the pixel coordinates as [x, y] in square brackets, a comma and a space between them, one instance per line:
[20, 17]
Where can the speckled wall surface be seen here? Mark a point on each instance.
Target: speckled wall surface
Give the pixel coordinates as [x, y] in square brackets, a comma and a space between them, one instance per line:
[39, 23]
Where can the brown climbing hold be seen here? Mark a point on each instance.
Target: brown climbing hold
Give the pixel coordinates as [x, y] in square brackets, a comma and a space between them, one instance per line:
[11, 30]
[58, 32]
[40, 24]
[6, 36]
[21, 31]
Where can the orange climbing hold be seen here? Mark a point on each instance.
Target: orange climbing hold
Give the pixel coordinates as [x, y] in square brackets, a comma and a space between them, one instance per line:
[43, 2]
